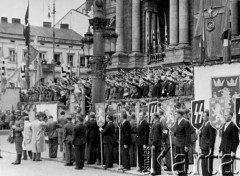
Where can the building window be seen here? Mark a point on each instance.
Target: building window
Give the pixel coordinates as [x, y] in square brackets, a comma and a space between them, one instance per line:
[70, 60]
[42, 57]
[82, 61]
[13, 55]
[57, 59]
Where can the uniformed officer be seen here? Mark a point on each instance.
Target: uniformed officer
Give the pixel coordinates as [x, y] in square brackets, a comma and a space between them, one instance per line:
[67, 139]
[18, 127]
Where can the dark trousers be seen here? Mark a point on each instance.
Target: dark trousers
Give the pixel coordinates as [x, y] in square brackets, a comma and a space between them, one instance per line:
[91, 153]
[79, 155]
[227, 170]
[133, 154]
[156, 163]
[108, 154]
[53, 147]
[18, 144]
[140, 157]
[207, 164]
[183, 168]
[125, 157]
[69, 152]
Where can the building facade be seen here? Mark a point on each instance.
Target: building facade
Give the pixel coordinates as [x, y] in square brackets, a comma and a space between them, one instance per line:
[154, 33]
[68, 51]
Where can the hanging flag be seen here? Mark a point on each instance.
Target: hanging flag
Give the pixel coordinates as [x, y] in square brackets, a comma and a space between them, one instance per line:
[63, 72]
[39, 70]
[69, 71]
[26, 30]
[23, 69]
[226, 33]
[166, 30]
[159, 49]
[200, 33]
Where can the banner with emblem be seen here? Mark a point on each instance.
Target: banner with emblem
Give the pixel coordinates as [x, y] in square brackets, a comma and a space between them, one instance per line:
[152, 108]
[237, 112]
[216, 112]
[227, 87]
[168, 107]
[118, 112]
[197, 107]
[100, 113]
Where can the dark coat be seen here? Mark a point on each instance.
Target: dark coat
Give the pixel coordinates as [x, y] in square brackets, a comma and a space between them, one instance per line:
[230, 138]
[79, 134]
[155, 136]
[125, 138]
[52, 129]
[108, 133]
[207, 137]
[145, 90]
[183, 133]
[92, 131]
[68, 131]
[143, 133]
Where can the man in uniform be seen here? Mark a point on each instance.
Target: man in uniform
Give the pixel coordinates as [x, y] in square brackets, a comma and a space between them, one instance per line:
[18, 127]
[155, 142]
[142, 139]
[61, 121]
[125, 141]
[229, 143]
[79, 141]
[108, 140]
[92, 138]
[182, 135]
[67, 139]
[206, 142]
[52, 133]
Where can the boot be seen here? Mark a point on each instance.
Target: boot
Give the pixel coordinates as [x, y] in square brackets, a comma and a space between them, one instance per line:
[30, 154]
[38, 157]
[18, 161]
[24, 155]
[34, 157]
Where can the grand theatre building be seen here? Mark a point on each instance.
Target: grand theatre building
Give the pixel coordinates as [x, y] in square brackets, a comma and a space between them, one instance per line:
[161, 32]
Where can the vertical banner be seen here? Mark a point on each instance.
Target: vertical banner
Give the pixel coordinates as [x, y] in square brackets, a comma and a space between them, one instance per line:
[137, 111]
[197, 107]
[216, 112]
[168, 107]
[100, 113]
[237, 112]
[152, 108]
[119, 109]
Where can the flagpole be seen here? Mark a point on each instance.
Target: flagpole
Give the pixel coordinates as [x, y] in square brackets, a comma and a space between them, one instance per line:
[54, 39]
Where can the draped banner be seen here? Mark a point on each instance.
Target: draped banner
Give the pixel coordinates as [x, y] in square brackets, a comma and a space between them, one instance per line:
[100, 113]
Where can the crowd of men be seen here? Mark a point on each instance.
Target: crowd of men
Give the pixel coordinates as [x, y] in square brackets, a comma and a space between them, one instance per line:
[135, 84]
[137, 136]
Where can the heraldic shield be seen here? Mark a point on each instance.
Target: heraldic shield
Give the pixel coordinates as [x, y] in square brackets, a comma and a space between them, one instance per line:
[197, 107]
[152, 108]
[168, 107]
[237, 112]
[100, 113]
[216, 112]
[119, 112]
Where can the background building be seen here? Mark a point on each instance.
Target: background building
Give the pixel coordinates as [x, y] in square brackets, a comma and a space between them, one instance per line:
[68, 50]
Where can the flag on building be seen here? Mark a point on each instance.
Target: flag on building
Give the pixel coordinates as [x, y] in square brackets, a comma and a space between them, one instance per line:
[69, 71]
[39, 75]
[226, 32]
[200, 32]
[23, 70]
[63, 72]
[26, 30]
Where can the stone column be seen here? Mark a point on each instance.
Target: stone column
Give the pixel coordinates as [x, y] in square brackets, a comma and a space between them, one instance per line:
[153, 31]
[174, 22]
[183, 22]
[234, 17]
[147, 30]
[135, 25]
[119, 25]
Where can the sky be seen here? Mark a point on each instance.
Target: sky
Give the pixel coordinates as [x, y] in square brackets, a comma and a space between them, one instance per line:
[38, 9]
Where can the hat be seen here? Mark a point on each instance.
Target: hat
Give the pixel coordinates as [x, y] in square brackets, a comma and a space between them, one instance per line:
[92, 115]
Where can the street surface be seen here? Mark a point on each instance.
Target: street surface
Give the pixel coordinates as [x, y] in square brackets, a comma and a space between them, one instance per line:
[45, 168]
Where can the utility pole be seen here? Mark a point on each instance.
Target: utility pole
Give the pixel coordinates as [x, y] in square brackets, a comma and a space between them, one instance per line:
[54, 11]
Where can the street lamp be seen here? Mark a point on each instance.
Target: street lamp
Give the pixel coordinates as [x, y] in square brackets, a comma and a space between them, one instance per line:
[88, 45]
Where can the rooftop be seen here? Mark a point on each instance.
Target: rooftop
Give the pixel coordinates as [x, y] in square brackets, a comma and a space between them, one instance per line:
[17, 29]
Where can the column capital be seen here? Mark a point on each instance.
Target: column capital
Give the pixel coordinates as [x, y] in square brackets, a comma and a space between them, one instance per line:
[99, 23]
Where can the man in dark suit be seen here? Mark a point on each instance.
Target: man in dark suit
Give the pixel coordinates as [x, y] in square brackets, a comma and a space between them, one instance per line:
[67, 138]
[182, 135]
[155, 142]
[206, 142]
[230, 141]
[108, 140]
[142, 139]
[52, 133]
[125, 141]
[92, 139]
[79, 141]
[61, 121]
